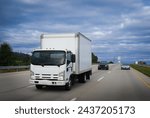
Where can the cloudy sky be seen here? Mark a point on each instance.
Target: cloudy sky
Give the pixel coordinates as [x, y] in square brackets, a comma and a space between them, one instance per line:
[116, 27]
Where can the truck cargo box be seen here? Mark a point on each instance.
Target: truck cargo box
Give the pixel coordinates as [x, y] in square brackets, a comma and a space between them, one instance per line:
[75, 42]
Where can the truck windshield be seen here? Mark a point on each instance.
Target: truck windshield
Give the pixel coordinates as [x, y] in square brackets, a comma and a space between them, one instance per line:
[48, 58]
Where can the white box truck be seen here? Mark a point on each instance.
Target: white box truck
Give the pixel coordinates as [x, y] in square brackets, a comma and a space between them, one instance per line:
[61, 59]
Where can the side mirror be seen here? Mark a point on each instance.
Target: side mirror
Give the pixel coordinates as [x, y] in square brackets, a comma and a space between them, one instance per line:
[73, 58]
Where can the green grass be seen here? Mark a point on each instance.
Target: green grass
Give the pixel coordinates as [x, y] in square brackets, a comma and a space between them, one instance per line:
[143, 69]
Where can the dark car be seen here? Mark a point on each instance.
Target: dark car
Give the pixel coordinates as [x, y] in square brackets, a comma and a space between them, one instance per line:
[103, 65]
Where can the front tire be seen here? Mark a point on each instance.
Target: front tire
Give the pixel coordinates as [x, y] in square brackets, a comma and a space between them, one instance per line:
[68, 85]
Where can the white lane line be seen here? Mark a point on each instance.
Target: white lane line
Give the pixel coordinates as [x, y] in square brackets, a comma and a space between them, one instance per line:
[109, 72]
[100, 79]
[74, 99]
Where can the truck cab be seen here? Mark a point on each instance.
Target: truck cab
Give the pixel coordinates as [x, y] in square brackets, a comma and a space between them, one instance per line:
[52, 68]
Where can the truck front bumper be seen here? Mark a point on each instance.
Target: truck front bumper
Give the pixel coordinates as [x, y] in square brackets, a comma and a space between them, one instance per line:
[48, 83]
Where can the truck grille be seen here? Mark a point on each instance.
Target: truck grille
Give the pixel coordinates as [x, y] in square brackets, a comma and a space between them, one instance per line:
[46, 76]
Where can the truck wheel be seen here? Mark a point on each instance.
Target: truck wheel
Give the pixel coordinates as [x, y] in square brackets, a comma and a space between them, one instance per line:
[80, 80]
[84, 78]
[38, 86]
[68, 85]
[88, 76]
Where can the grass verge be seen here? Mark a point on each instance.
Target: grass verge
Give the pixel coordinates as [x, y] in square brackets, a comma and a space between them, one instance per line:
[143, 69]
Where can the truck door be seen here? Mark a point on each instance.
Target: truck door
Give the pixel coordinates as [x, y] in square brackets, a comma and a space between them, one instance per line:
[69, 67]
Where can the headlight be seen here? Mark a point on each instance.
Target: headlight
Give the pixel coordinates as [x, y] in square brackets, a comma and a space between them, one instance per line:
[62, 75]
[31, 73]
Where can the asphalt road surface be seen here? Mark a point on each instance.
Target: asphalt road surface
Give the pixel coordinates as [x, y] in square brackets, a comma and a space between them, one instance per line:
[105, 85]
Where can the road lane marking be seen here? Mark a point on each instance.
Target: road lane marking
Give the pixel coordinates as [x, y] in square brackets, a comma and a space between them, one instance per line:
[109, 72]
[145, 83]
[100, 79]
[74, 99]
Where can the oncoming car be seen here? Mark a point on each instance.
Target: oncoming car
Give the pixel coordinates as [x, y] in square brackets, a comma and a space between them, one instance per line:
[125, 67]
[103, 65]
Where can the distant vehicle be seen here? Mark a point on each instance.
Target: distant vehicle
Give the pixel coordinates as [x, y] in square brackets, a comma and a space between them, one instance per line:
[125, 67]
[61, 59]
[103, 65]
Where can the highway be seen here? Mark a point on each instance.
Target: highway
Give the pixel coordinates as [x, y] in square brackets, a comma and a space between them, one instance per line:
[105, 85]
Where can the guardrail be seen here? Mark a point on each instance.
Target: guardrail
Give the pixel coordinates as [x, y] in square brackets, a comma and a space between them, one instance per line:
[14, 67]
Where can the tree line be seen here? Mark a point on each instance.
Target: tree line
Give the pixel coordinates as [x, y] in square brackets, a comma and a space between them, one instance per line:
[10, 58]
[94, 58]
